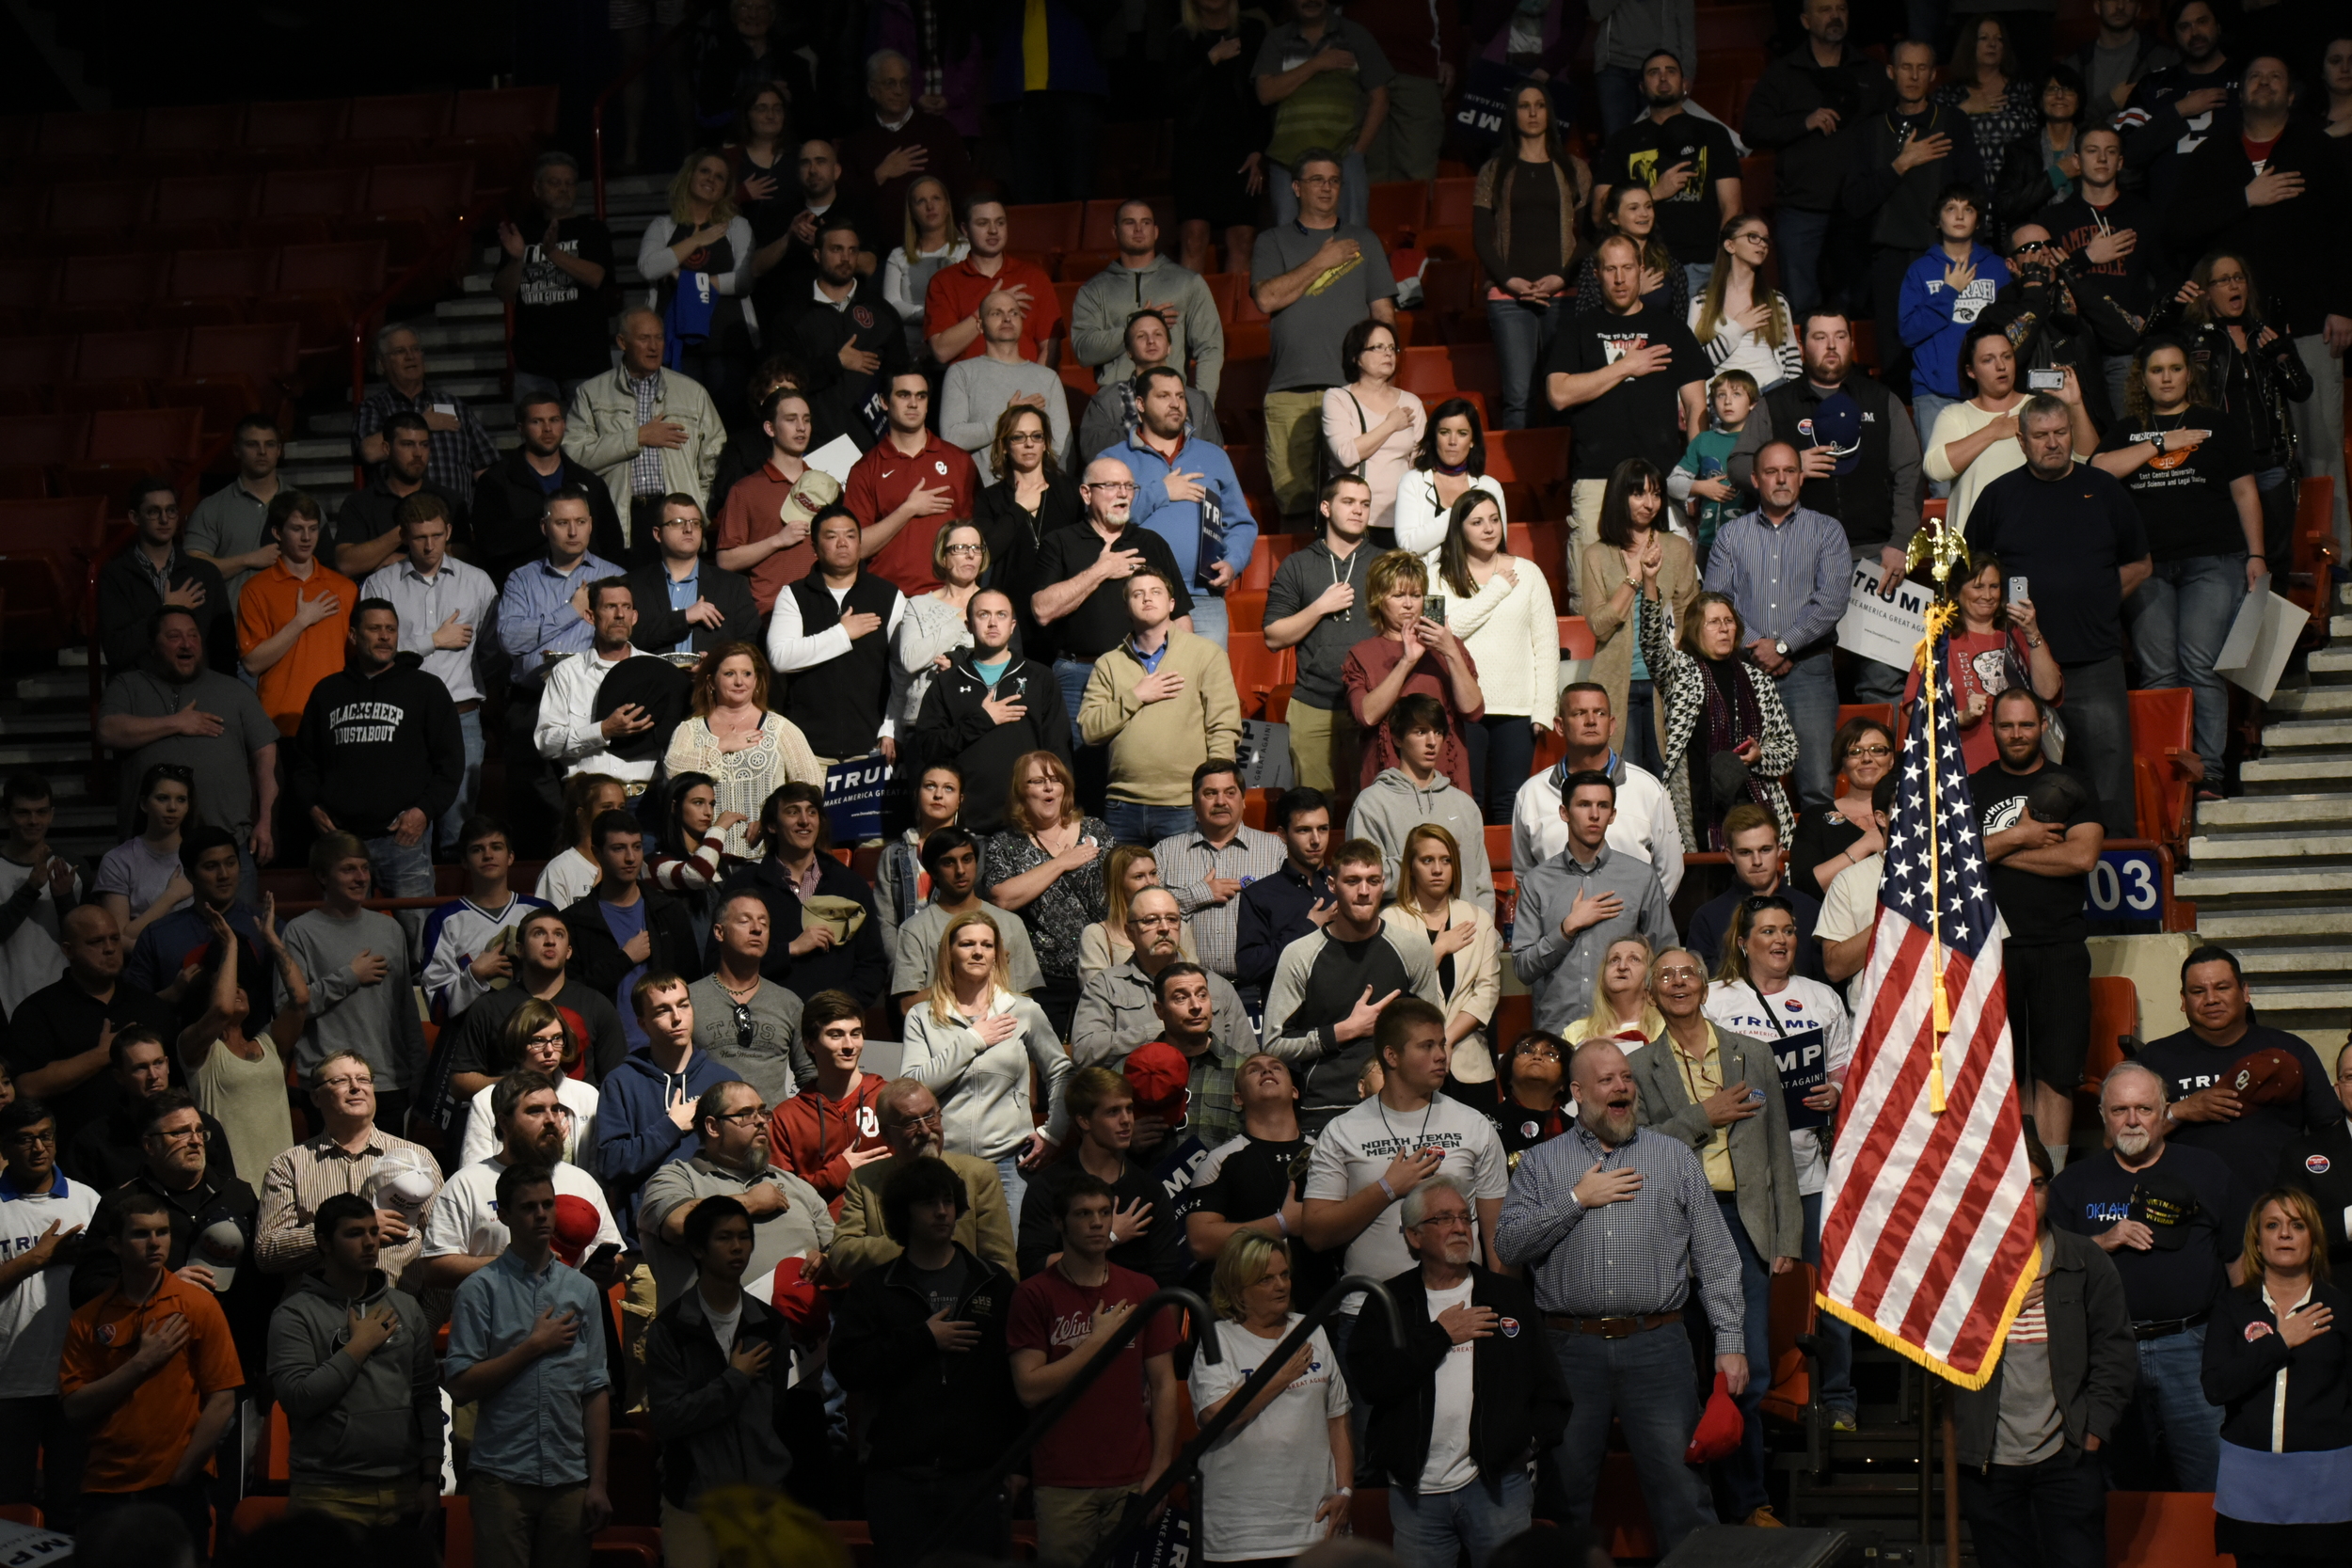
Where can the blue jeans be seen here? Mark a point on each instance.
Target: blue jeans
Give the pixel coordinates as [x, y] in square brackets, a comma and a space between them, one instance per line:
[1502, 754]
[1133, 822]
[2098, 714]
[1643, 1381]
[1801, 237]
[1355, 191]
[1810, 692]
[1639, 743]
[2179, 620]
[1015, 1184]
[1925, 406]
[1072, 676]
[1617, 89]
[1836, 1334]
[1743, 1469]
[469, 786]
[402, 870]
[1433, 1528]
[1208, 617]
[2169, 1420]
[1523, 338]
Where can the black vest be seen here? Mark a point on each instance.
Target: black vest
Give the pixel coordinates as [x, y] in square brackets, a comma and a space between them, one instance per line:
[1863, 501]
[839, 703]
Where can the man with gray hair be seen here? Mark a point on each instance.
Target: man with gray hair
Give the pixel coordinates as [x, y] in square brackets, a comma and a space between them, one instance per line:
[647, 431]
[1470, 1395]
[461, 448]
[554, 272]
[1616, 1225]
[911, 1129]
[2071, 532]
[905, 140]
[2172, 1220]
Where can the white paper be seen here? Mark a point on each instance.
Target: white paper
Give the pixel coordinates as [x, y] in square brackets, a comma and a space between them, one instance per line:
[2260, 641]
[836, 457]
[1887, 630]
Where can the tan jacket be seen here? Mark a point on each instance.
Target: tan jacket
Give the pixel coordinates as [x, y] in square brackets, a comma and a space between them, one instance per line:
[1763, 1167]
[1602, 570]
[1155, 746]
[601, 433]
[1477, 982]
[862, 1241]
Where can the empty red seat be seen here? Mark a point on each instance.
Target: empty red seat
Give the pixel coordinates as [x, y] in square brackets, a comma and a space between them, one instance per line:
[261, 349]
[96, 135]
[37, 363]
[404, 117]
[301, 126]
[47, 548]
[1045, 226]
[349, 266]
[300, 192]
[192, 199]
[519, 114]
[24, 282]
[44, 439]
[1424, 372]
[164, 434]
[190, 132]
[122, 279]
[105, 206]
[149, 355]
[1394, 204]
[442, 190]
[1450, 202]
[198, 279]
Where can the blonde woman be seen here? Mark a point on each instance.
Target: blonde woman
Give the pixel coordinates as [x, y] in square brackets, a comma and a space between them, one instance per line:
[933, 239]
[1409, 652]
[1500, 608]
[974, 1041]
[1103, 945]
[1466, 948]
[1047, 866]
[703, 232]
[747, 749]
[933, 628]
[1370, 426]
[1742, 321]
[1622, 1009]
[1273, 1482]
[537, 1039]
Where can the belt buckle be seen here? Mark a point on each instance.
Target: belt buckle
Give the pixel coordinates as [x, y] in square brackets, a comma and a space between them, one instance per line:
[1619, 1329]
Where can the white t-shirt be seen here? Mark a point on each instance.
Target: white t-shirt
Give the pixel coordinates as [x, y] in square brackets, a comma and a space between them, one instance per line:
[1851, 908]
[1354, 1153]
[1263, 1483]
[1450, 1466]
[30, 958]
[464, 1219]
[33, 1317]
[722, 1323]
[567, 879]
[1814, 1035]
[575, 1097]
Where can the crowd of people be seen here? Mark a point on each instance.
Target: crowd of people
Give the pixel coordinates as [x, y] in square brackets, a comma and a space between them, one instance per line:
[1130, 1040]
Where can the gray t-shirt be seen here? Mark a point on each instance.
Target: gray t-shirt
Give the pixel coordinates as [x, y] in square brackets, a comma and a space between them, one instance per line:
[762, 1045]
[918, 957]
[222, 763]
[2030, 1428]
[1306, 333]
[1300, 582]
[228, 522]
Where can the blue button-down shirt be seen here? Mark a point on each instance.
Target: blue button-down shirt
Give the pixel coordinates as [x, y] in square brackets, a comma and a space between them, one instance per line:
[683, 594]
[536, 617]
[1787, 580]
[1178, 522]
[532, 1431]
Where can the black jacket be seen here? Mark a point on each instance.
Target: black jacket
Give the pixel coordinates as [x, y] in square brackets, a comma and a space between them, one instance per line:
[659, 626]
[717, 1427]
[2241, 1373]
[2254, 387]
[1013, 539]
[860, 967]
[953, 727]
[109, 1152]
[1518, 1404]
[2296, 248]
[597, 962]
[1809, 168]
[843, 402]
[2093, 1358]
[1900, 208]
[2061, 316]
[127, 602]
[2320, 1163]
[508, 502]
[1877, 503]
[930, 1407]
[372, 747]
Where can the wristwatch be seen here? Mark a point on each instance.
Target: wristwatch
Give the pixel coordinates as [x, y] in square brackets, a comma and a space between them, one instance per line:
[1780, 646]
[2158, 438]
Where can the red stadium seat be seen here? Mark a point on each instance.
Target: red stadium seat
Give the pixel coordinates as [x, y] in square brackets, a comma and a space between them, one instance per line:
[1222, 287]
[1248, 340]
[125, 278]
[308, 193]
[1425, 373]
[411, 205]
[1078, 265]
[1450, 202]
[1395, 205]
[187, 199]
[44, 439]
[37, 363]
[102, 136]
[161, 435]
[1448, 287]
[190, 133]
[1241, 396]
[25, 281]
[1793, 1313]
[1267, 554]
[1537, 457]
[1451, 244]
[301, 127]
[416, 118]
[1050, 225]
[97, 206]
[2162, 1529]
[1546, 545]
[2165, 764]
[1576, 637]
[47, 549]
[322, 286]
[148, 355]
[2114, 1015]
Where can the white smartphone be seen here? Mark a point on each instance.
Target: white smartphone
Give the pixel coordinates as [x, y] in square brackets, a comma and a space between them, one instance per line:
[2017, 590]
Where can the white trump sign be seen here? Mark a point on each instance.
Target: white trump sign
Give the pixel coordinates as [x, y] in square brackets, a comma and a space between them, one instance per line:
[1887, 630]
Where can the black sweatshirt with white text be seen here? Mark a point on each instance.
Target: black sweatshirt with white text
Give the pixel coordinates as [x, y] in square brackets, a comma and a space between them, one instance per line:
[371, 747]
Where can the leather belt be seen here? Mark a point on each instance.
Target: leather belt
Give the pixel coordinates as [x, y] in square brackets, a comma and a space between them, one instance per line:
[2164, 1328]
[1610, 1328]
[469, 705]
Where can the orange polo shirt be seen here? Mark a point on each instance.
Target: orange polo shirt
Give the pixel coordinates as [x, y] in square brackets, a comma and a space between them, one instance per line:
[140, 1442]
[955, 292]
[267, 605]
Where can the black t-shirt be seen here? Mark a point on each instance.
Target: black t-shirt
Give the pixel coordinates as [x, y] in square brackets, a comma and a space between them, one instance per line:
[560, 322]
[942, 1287]
[1522, 1128]
[1100, 623]
[2182, 494]
[2040, 911]
[2188, 1198]
[62, 1019]
[2250, 1144]
[2067, 539]
[1635, 418]
[1690, 221]
[1249, 1179]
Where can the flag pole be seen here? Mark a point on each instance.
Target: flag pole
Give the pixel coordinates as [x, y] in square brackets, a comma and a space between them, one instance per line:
[1944, 548]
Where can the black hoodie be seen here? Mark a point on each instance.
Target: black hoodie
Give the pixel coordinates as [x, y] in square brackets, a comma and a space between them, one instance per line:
[957, 1409]
[372, 747]
[953, 727]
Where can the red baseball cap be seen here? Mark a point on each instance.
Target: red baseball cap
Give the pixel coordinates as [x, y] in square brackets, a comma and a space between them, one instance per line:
[1158, 1073]
[576, 1226]
[1719, 1428]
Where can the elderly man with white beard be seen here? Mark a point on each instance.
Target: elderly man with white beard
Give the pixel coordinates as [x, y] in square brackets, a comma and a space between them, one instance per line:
[1616, 1225]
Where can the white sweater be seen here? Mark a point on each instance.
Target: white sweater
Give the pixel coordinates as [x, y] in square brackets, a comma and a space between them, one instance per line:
[1512, 635]
[1420, 517]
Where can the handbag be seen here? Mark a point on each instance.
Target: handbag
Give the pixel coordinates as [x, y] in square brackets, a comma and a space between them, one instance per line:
[1327, 463]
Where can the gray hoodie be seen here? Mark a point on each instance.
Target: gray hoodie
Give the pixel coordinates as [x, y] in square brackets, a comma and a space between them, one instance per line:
[1098, 321]
[363, 1423]
[1393, 805]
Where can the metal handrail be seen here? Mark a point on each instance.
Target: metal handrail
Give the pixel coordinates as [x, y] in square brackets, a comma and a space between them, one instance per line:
[435, 255]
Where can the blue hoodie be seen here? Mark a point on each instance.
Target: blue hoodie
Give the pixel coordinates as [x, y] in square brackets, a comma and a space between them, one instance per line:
[635, 1136]
[1933, 320]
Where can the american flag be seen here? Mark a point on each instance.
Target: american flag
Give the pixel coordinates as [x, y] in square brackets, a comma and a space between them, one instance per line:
[1927, 1231]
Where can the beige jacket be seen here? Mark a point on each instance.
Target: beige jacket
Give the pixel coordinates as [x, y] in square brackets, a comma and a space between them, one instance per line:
[1602, 570]
[861, 1241]
[1155, 746]
[601, 433]
[1477, 982]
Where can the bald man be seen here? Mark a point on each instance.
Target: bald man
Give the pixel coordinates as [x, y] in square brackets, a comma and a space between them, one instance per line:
[647, 432]
[1085, 571]
[59, 1040]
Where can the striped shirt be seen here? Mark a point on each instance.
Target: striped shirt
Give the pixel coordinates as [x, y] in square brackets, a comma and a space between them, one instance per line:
[307, 1175]
[1187, 862]
[1787, 580]
[1623, 1260]
[456, 456]
[644, 470]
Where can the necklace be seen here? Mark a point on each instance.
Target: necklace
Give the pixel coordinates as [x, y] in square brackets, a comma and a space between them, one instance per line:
[1422, 1137]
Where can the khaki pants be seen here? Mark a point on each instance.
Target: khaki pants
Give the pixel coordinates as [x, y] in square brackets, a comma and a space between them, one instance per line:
[685, 1539]
[1293, 425]
[369, 1507]
[636, 1310]
[1406, 145]
[518, 1526]
[1072, 1521]
[1326, 749]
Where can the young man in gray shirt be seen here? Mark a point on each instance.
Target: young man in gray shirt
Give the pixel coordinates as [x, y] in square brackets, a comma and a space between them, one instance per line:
[362, 986]
[1316, 605]
[1575, 904]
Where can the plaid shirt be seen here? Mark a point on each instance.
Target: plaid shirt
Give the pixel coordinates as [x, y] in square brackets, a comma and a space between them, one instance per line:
[1189, 859]
[644, 470]
[457, 454]
[305, 1176]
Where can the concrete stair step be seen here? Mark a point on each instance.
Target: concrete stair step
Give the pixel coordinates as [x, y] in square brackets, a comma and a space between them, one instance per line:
[2258, 811]
[464, 332]
[2248, 930]
[2313, 1002]
[2304, 734]
[54, 686]
[60, 723]
[2330, 661]
[2266, 774]
[2310, 962]
[2205, 850]
[42, 753]
[479, 304]
[2312, 701]
[2300, 882]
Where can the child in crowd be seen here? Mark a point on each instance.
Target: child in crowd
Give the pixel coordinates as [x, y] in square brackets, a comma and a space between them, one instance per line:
[1702, 480]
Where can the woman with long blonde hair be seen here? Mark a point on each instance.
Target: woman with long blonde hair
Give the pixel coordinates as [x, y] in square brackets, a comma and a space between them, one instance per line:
[1103, 945]
[703, 232]
[747, 749]
[1464, 945]
[1622, 1009]
[932, 240]
[1742, 321]
[973, 1041]
[1047, 866]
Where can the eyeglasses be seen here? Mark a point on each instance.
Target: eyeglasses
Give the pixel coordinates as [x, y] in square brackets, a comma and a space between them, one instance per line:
[1537, 1054]
[929, 1118]
[961, 549]
[1680, 971]
[2030, 247]
[743, 1118]
[1157, 919]
[1115, 486]
[1756, 236]
[30, 1137]
[1317, 178]
[1449, 1219]
[1020, 436]
[187, 1135]
[1869, 751]
[2221, 278]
